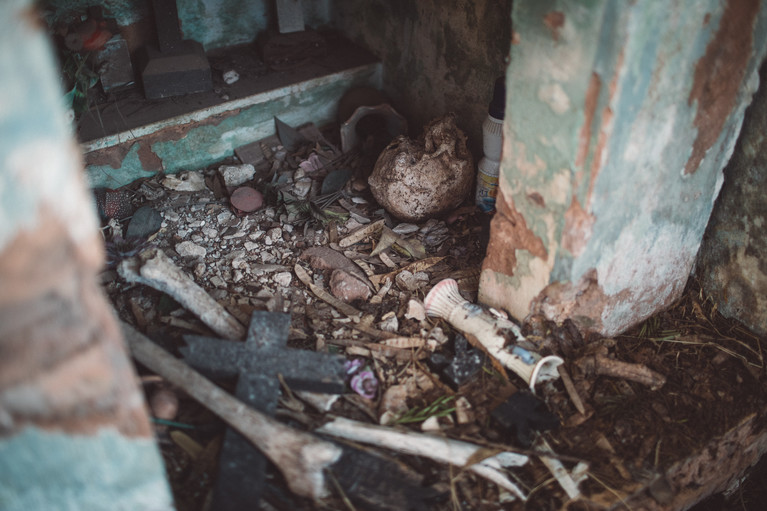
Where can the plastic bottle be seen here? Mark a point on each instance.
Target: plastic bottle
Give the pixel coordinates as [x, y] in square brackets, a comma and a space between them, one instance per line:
[492, 146]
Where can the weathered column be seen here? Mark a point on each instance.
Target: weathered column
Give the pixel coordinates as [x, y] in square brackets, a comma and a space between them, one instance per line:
[74, 431]
[620, 117]
[733, 257]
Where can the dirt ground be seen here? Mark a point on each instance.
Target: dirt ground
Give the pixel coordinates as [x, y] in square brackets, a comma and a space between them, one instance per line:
[651, 397]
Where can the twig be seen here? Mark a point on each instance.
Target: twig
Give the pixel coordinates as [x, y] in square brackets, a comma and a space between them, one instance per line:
[606, 366]
[154, 269]
[301, 457]
[444, 450]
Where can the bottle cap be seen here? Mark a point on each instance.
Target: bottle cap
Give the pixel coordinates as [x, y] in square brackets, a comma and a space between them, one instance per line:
[497, 107]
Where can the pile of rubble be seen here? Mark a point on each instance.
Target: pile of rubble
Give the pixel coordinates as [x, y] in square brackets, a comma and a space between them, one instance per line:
[334, 299]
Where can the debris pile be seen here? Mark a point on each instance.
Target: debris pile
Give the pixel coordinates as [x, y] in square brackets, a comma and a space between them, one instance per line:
[362, 390]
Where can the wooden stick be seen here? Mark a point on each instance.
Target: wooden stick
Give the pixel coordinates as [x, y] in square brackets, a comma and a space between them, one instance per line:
[606, 366]
[301, 457]
[444, 450]
[154, 269]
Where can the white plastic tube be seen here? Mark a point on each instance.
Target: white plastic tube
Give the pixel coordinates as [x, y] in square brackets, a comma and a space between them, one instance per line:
[446, 302]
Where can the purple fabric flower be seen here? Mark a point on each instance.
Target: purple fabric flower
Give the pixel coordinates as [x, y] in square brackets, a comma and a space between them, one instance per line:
[352, 366]
[365, 384]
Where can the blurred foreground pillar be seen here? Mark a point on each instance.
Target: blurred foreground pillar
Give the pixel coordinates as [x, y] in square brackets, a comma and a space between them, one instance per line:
[74, 431]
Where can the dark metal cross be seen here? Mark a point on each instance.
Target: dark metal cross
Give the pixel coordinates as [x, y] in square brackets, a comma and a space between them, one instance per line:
[257, 363]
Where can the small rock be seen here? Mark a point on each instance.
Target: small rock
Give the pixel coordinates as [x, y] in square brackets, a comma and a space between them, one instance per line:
[405, 228]
[250, 246]
[235, 175]
[302, 187]
[171, 216]
[145, 222]
[431, 424]
[283, 279]
[191, 181]
[164, 404]
[199, 270]
[231, 76]
[190, 249]
[389, 322]
[246, 199]
[393, 403]
[217, 281]
[224, 216]
[463, 412]
[408, 282]
[347, 287]
[415, 310]
[274, 234]
[210, 232]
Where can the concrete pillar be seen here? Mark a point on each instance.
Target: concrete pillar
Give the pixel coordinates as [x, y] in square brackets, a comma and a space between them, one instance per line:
[74, 431]
[620, 117]
[733, 257]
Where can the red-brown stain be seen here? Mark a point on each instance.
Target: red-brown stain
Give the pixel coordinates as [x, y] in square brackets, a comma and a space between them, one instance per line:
[579, 226]
[148, 158]
[718, 75]
[509, 233]
[554, 21]
[589, 108]
[64, 343]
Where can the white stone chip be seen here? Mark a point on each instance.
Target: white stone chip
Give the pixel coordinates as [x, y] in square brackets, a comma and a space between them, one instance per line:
[190, 249]
[283, 279]
[235, 175]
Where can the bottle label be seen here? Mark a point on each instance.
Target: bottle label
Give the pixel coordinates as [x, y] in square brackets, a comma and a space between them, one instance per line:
[487, 189]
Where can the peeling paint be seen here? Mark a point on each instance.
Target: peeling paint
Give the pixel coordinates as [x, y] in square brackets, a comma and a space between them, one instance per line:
[589, 108]
[578, 228]
[554, 21]
[620, 222]
[510, 231]
[718, 75]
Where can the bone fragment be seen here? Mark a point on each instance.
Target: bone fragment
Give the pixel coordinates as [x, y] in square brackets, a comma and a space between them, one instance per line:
[301, 457]
[154, 269]
[437, 448]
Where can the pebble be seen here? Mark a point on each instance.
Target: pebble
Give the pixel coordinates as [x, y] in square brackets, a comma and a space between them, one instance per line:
[199, 270]
[283, 279]
[217, 281]
[348, 288]
[250, 246]
[171, 216]
[190, 249]
[210, 232]
[231, 76]
[224, 216]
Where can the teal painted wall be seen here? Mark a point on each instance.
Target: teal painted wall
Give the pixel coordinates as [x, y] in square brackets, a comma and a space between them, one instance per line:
[620, 118]
[438, 56]
[214, 23]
